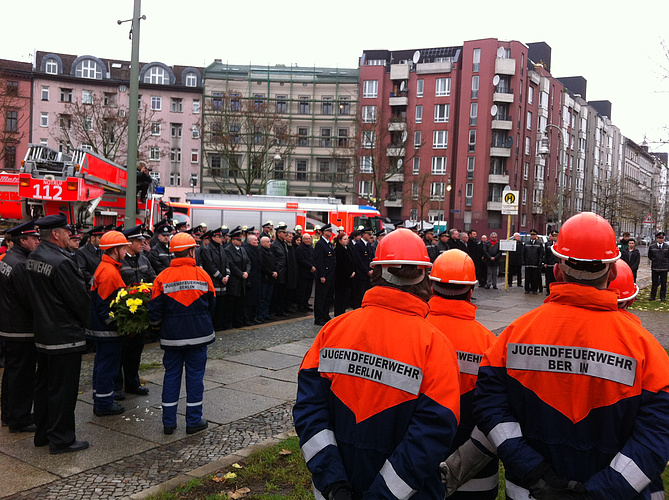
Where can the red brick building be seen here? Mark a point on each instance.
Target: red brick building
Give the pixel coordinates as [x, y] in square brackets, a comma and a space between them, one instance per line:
[15, 103]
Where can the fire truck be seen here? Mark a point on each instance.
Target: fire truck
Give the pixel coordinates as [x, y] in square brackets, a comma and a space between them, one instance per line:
[240, 210]
[87, 187]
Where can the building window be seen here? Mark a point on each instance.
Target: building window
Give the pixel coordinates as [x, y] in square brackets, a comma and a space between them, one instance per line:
[65, 122]
[469, 194]
[526, 171]
[66, 95]
[420, 87]
[370, 88]
[442, 87]
[366, 165]
[301, 169]
[344, 106]
[109, 99]
[525, 196]
[366, 188]
[88, 123]
[12, 122]
[235, 101]
[155, 128]
[473, 113]
[304, 105]
[530, 95]
[529, 120]
[326, 105]
[440, 139]
[44, 119]
[156, 75]
[368, 114]
[258, 102]
[10, 158]
[156, 103]
[470, 167]
[302, 136]
[475, 87]
[87, 97]
[437, 191]
[326, 137]
[472, 141]
[175, 179]
[196, 106]
[324, 172]
[438, 165]
[413, 214]
[476, 63]
[419, 114]
[154, 153]
[441, 112]
[527, 145]
[368, 139]
[51, 67]
[281, 104]
[191, 80]
[175, 129]
[415, 190]
[88, 68]
[177, 105]
[175, 155]
[416, 165]
[417, 139]
[195, 131]
[45, 93]
[342, 135]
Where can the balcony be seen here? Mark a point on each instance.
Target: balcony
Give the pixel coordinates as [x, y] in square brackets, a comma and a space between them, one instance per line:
[395, 200]
[500, 149]
[503, 94]
[434, 67]
[498, 178]
[399, 71]
[395, 151]
[505, 66]
[495, 206]
[397, 126]
[537, 208]
[399, 99]
[398, 177]
[502, 122]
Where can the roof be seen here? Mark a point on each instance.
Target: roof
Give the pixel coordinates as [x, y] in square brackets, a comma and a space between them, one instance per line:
[280, 72]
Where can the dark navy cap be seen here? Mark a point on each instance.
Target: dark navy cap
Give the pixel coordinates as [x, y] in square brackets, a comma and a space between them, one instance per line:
[236, 232]
[25, 229]
[97, 231]
[135, 233]
[383, 232]
[326, 227]
[53, 222]
[367, 229]
[180, 225]
[164, 229]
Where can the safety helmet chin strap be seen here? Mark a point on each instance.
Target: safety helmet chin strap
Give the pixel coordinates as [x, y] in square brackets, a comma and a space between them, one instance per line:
[585, 272]
[395, 280]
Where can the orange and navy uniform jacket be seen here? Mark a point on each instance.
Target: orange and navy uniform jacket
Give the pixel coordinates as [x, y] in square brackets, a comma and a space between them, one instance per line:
[107, 282]
[378, 400]
[182, 303]
[456, 319]
[579, 384]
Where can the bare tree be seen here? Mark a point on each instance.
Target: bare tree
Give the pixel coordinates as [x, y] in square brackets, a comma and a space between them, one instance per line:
[606, 199]
[102, 125]
[15, 112]
[247, 139]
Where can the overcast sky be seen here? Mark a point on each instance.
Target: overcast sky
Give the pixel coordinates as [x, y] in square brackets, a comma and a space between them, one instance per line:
[615, 46]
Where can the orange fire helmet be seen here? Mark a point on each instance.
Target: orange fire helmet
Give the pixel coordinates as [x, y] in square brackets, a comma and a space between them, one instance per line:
[587, 237]
[112, 239]
[454, 267]
[402, 246]
[182, 241]
[624, 282]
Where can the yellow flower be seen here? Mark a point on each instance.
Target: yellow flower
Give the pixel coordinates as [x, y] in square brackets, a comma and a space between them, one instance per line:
[122, 293]
[133, 309]
[111, 314]
[133, 303]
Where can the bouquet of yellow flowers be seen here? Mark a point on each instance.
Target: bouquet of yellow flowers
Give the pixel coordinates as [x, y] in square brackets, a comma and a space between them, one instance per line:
[130, 309]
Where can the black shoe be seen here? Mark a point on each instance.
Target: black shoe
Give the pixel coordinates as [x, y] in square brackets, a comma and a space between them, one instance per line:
[119, 395]
[192, 429]
[140, 391]
[169, 429]
[534, 293]
[76, 446]
[271, 317]
[114, 409]
[487, 287]
[309, 308]
[494, 287]
[258, 321]
[281, 314]
[40, 442]
[527, 291]
[27, 428]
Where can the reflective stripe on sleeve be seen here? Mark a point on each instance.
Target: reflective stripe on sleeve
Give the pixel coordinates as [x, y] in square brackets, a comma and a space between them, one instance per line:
[502, 432]
[183, 342]
[16, 335]
[317, 494]
[657, 495]
[318, 442]
[516, 492]
[101, 333]
[481, 484]
[105, 395]
[630, 471]
[199, 403]
[478, 435]
[170, 404]
[397, 486]
[55, 347]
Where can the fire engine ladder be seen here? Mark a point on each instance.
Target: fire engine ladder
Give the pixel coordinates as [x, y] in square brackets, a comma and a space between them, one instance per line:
[42, 162]
[79, 158]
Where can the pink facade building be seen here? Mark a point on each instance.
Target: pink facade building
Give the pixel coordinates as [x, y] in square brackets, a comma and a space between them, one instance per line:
[15, 100]
[81, 101]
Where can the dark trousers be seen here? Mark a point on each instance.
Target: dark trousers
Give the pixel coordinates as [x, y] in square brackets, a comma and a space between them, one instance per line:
[131, 355]
[279, 299]
[105, 368]
[194, 359]
[515, 270]
[56, 392]
[266, 291]
[532, 279]
[659, 279]
[219, 311]
[234, 311]
[550, 278]
[481, 273]
[358, 292]
[18, 383]
[342, 297]
[303, 293]
[323, 300]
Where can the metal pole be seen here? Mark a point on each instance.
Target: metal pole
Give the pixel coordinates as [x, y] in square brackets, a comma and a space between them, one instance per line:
[561, 173]
[133, 118]
[506, 260]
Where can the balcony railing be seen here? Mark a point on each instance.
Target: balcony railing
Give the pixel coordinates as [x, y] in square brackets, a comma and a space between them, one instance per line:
[503, 89]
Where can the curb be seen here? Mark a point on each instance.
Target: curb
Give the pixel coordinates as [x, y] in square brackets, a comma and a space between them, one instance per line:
[210, 468]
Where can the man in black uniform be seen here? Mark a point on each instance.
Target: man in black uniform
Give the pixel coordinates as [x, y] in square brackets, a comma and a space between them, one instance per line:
[280, 251]
[454, 241]
[215, 262]
[89, 256]
[430, 244]
[159, 256]
[533, 259]
[362, 257]
[442, 245]
[516, 262]
[16, 329]
[304, 256]
[61, 311]
[324, 262]
[549, 261]
[240, 267]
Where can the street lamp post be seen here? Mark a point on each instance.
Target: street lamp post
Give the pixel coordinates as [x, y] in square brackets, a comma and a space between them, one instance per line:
[448, 189]
[545, 151]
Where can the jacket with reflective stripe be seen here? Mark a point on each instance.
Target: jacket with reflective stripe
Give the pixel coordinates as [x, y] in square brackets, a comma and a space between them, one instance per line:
[578, 383]
[182, 302]
[456, 319]
[16, 320]
[378, 400]
[107, 281]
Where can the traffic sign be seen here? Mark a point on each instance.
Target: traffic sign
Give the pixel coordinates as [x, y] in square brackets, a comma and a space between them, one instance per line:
[510, 202]
[649, 220]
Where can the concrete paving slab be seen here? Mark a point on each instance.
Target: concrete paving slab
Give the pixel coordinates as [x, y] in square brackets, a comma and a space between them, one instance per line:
[266, 386]
[144, 423]
[493, 325]
[287, 374]
[294, 349]
[306, 342]
[156, 380]
[17, 476]
[223, 405]
[106, 446]
[266, 359]
[226, 372]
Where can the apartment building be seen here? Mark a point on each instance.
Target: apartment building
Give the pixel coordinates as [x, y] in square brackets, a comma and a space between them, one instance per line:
[15, 101]
[82, 101]
[283, 130]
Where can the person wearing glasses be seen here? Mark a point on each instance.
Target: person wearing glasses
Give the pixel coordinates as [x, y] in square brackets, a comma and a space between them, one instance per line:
[658, 253]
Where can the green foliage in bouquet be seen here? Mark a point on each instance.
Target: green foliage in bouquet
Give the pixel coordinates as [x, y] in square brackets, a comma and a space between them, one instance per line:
[130, 309]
